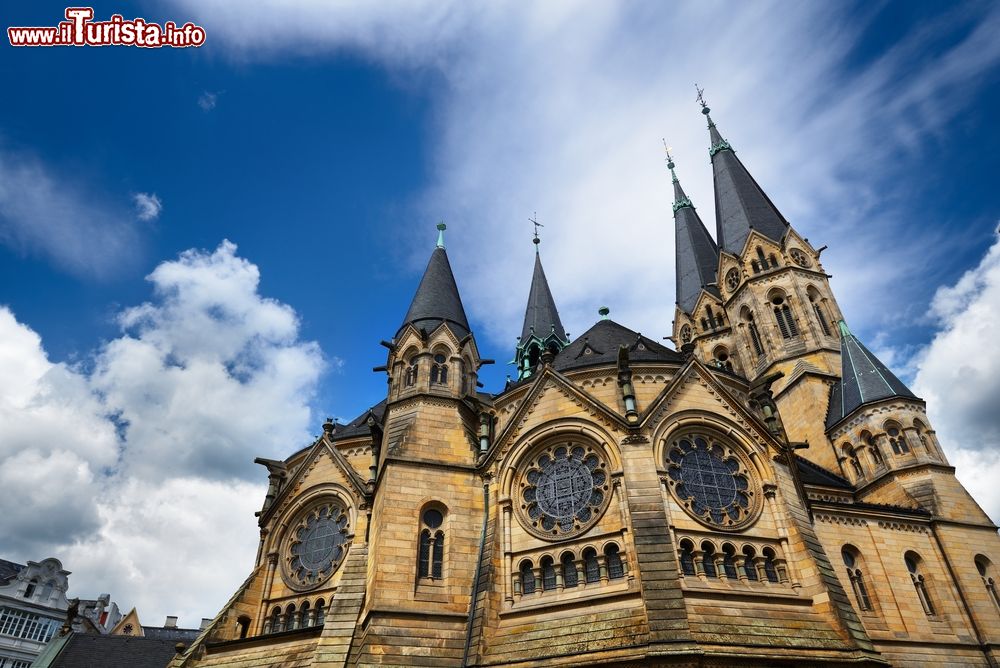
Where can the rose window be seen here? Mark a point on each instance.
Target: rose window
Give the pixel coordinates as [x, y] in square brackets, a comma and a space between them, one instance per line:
[733, 279]
[712, 482]
[563, 490]
[799, 258]
[316, 545]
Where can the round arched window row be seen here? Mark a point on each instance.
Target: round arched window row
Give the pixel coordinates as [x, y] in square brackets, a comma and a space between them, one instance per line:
[751, 564]
[316, 544]
[585, 568]
[303, 614]
[563, 490]
[711, 480]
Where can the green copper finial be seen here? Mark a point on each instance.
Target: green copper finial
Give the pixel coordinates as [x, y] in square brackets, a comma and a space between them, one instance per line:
[441, 227]
[604, 311]
[843, 328]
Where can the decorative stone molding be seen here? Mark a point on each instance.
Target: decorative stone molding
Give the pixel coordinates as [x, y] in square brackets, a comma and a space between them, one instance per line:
[903, 526]
[840, 519]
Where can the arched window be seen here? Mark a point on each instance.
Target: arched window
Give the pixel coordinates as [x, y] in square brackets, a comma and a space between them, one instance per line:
[985, 569]
[708, 560]
[921, 430]
[613, 559]
[722, 360]
[749, 568]
[896, 439]
[755, 266]
[527, 577]
[412, 369]
[783, 316]
[687, 558]
[773, 260]
[430, 558]
[852, 460]
[912, 560]
[761, 258]
[728, 561]
[320, 614]
[770, 571]
[243, 626]
[569, 570]
[814, 300]
[873, 449]
[548, 574]
[290, 618]
[591, 567]
[755, 341]
[305, 620]
[273, 624]
[852, 560]
[439, 370]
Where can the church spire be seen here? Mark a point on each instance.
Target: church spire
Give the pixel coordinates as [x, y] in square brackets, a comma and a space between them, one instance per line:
[740, 203]
[697, 256]
[437, 300]
[864, 379]
[542, 329]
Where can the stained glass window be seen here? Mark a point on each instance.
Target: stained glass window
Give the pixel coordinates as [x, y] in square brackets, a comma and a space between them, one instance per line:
[318, 543]
[710, 481]
[564, 489]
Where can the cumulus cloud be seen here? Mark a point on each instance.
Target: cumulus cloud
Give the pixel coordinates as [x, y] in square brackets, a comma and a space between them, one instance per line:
[147, 206]
[958, 374]
[133, 461]
[44, 214]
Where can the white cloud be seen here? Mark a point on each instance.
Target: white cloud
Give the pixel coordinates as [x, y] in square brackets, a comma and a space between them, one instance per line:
[147, 206]
[208, 100]
[123, 470]
[44, 214]
[959, 377]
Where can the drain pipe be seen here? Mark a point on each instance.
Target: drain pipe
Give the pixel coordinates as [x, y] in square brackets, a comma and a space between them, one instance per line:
[475, 579]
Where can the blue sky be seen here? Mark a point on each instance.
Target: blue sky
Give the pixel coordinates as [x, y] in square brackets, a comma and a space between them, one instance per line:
[325, 141]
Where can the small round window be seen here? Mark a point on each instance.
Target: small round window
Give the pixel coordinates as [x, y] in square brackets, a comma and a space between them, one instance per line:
[712, 481]
[733, 279]
[316, 544]
[563, 490]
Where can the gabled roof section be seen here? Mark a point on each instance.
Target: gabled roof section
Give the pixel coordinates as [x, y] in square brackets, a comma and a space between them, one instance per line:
[437, 300]
[697, 255]
[740, 203]
[358, 427]
[814, 474]
[541, 317]
[9, 570]
[83, 650]
[864, 380]
[603, 340]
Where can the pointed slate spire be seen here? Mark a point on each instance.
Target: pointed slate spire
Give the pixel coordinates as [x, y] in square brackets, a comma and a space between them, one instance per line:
[740, 203]
[542, 329]
[437, 299]
[864, 379]
[697, 255]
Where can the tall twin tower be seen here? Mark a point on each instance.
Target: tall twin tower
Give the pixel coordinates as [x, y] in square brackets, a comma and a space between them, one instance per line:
[767, 494]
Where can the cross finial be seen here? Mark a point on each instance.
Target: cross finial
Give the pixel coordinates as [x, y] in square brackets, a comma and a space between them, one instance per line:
[534, 221]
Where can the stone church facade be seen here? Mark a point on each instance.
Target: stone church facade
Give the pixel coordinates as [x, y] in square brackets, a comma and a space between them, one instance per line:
[767, 494]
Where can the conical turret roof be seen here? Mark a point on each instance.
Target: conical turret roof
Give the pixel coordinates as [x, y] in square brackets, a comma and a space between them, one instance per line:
[864, 379]
[740, 203]
[697, 255]
[437, 299]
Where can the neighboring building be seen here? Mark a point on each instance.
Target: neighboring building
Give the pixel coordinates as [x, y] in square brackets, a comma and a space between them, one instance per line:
[32, 608]
[622, 503]
[84, 650]
[131, 626]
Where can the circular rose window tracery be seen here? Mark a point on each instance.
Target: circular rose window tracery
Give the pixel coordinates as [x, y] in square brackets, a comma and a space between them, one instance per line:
[316, 544]
[712, 481]
[562, 490]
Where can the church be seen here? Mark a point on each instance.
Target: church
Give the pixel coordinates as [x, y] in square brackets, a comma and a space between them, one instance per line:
[764, 493]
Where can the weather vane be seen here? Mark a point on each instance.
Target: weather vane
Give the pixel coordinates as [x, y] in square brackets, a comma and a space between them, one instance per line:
[701, 97]
[535, 222]
[666, 148]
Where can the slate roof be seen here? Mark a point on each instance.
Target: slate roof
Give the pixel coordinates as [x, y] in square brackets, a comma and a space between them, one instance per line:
[603, 340]
[541, 314]
[437, 299]
[9, 570]
[814, 474]
[740, 204]
[696, 251]
[359, 426]
[86, 651]
[864, 380]
[173, 634]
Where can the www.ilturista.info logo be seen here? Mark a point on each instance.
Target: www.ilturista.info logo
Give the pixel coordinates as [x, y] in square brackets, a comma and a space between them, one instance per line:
[79, 29]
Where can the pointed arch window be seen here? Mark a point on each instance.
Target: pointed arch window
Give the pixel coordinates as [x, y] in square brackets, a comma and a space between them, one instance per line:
[897, 440]
[430, 558]
[439, 370]
[755, 339]
[852, 560]
[783, 316]
[814, 301]
[913, 561]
